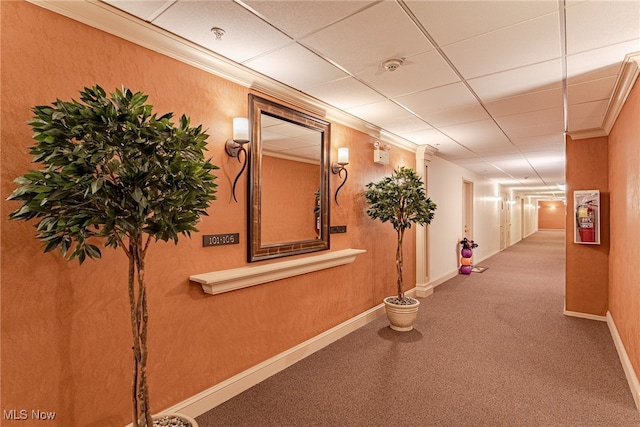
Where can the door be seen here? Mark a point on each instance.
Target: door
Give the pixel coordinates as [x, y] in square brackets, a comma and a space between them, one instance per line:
[504, 218]
[467, 209]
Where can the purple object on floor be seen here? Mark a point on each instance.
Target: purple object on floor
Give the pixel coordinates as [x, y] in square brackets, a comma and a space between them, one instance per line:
[465, 269]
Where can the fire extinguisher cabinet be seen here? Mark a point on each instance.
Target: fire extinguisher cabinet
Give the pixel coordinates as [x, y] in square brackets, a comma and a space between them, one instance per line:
[586, 206]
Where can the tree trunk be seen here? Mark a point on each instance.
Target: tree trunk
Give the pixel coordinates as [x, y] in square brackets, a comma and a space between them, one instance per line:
[399, 266]
[139, 317]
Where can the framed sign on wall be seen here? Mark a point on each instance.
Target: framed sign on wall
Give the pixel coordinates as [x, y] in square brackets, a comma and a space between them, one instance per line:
[586, 205]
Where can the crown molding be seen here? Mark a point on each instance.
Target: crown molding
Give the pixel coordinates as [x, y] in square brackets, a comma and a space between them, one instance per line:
[107, 18]
[626, 79]
[587, 133]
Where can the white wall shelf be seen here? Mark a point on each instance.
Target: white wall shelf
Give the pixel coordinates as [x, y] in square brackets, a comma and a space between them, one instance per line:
[217, 282]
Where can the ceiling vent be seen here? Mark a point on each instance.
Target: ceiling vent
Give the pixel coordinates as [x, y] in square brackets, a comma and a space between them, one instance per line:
[392, 64]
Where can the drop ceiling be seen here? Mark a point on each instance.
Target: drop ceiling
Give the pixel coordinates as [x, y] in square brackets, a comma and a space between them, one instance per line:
[492, 85]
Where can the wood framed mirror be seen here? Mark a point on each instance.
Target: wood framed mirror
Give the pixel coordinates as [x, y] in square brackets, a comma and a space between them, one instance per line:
[288, 181]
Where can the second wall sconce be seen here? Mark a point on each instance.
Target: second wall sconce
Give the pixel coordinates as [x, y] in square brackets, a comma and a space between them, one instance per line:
[339, 166]
[235, 145]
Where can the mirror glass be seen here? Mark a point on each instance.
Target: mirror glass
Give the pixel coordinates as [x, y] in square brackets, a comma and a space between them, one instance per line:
[288, 178]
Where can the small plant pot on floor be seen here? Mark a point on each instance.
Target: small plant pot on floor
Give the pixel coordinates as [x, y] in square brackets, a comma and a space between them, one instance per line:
[401, 315]
[174, 420]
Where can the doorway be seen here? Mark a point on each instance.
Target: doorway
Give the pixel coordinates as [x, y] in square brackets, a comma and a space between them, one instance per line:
[467, 209]
[504, 221]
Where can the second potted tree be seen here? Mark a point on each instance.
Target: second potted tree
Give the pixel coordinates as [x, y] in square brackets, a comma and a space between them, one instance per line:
[401, 200]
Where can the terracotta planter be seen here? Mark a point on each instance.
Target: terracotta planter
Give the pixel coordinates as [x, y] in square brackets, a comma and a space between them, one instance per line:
[401, 316]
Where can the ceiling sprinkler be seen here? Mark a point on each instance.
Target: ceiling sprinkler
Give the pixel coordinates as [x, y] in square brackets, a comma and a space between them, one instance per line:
[218, 32]
[392, 64]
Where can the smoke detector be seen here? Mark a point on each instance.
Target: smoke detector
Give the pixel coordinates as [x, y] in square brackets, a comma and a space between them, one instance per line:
[392, 64]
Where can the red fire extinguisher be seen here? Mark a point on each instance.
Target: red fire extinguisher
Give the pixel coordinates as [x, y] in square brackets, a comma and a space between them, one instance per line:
[586, 223]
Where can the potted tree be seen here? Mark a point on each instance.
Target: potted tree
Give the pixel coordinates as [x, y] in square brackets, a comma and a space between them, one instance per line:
[114, 171]
[401, 200]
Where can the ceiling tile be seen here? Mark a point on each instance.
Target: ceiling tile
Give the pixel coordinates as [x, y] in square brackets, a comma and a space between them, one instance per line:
[307, 18]
[194, 20]
[532, 118]
[345, 93]
[591, 90]
[454, 116]
[589, 109]
[364, 40]
[595, 24]
[378, 113]
[531, 101]
[402, 125]
[536, 77]
[441, 98]
[146, 10]
[547, 161]
[513, 167]
[553, 141]
[588, 115]
[295, 66]
[534, 129]
[484, 134]
[599, 63]
[417, 73]
[452, 21]
[527, 43]
[432, 137]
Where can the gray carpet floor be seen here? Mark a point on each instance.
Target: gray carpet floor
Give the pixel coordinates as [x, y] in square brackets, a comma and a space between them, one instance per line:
[487, 349]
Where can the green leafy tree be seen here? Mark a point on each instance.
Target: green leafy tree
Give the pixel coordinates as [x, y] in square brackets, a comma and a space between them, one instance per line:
[401, 200]
[114, 171]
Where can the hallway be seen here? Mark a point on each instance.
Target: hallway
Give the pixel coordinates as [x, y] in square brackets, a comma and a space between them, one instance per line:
[488, 349]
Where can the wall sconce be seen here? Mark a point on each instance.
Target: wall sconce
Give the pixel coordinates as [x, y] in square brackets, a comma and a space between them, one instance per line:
[339, 166]
[235, 146]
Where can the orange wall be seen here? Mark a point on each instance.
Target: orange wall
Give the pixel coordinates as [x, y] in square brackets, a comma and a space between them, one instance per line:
[65, 328]
[587, 265]
[624, 185]
[551, 215]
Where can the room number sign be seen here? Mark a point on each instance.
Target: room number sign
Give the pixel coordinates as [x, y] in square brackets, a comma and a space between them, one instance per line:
[220, 239]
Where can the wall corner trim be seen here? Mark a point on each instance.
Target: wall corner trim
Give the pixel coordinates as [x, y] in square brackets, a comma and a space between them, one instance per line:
[632, 376]
[424, 290]
[217, 282]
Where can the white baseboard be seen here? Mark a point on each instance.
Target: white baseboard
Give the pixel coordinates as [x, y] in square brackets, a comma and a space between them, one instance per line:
[440, 280]
[447, 276]
[424, 290]
[585, 315]
[632, 377]
[220, 393]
